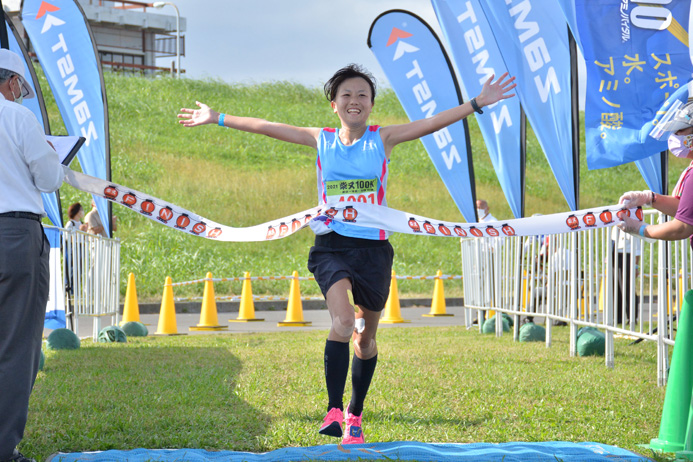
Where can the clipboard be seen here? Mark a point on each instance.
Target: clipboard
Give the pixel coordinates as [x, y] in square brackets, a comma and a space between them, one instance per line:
[66, 146]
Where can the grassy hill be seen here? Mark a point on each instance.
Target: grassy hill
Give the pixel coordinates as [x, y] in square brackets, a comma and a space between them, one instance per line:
[241, 179]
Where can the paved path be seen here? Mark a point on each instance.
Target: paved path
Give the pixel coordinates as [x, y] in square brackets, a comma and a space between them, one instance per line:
[320, 320]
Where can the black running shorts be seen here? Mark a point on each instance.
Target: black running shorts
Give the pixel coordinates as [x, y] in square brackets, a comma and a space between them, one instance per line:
[367, 263]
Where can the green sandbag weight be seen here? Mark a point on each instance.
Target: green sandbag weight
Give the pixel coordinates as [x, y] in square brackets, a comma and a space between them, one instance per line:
[62, 339]
[531, 332]
[135, 329]
[591, 342]
[489, 326]
[112, 334]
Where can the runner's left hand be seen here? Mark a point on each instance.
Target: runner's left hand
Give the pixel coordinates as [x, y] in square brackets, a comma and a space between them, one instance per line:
[492, 92]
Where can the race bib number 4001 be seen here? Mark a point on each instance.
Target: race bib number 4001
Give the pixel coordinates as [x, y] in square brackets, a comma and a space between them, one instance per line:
[352, 190]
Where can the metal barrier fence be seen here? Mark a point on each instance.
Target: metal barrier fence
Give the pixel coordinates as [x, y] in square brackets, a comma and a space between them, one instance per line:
[91, 276]
[602, 278]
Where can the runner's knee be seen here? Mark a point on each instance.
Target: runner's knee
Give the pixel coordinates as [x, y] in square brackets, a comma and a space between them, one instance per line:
[343, 326]
[365, 348]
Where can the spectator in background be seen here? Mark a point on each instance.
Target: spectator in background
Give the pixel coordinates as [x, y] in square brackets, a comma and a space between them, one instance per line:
[560, 261]
[489, 248]
[482, 211]
[94, 224]
[532, 247]
[74, 251]
[29, 167]
[75, 213]
[626, 255]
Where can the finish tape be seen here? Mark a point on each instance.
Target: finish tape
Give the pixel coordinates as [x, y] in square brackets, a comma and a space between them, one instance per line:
[344, 214]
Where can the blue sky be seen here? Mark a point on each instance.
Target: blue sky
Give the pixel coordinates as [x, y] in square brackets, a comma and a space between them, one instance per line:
[265, 40]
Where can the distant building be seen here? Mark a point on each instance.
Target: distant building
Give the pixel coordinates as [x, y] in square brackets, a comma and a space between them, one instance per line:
[129, 37]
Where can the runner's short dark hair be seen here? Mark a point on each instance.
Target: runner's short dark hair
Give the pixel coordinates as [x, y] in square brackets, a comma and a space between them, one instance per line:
[348, 72]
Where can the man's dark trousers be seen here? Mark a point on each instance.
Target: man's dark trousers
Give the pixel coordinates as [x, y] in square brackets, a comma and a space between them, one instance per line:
[24, 284]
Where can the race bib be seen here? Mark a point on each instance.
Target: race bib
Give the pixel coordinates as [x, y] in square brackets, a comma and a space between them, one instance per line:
[352, 190]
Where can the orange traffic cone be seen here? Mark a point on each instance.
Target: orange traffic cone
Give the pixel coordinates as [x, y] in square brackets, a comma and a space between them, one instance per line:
[294, 309]
[438, 302]
[393, 313]
[246, 311]
[208, 312]
[131, 309]
[167, 315]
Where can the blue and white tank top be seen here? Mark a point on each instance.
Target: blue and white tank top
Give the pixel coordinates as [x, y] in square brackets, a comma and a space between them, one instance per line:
[351, 173]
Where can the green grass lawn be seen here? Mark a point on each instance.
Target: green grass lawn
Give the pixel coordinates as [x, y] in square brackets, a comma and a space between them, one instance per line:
[262, 392]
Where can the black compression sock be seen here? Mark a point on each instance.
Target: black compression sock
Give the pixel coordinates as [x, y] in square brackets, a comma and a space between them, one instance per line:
[361, 374]
[336, 369]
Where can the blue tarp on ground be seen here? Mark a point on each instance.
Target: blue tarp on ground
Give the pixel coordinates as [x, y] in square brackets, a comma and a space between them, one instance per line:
[409, 450]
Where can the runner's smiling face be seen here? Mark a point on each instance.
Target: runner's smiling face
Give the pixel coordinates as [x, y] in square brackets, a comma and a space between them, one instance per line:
[354, 102]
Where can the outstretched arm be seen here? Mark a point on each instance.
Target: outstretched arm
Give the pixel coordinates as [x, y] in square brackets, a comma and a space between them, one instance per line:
[283, 132]
[491, 93]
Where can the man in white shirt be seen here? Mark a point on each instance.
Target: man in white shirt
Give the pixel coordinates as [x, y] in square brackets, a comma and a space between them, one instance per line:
[94, 223]
[488, 246]
[482, 210]
[30, 166]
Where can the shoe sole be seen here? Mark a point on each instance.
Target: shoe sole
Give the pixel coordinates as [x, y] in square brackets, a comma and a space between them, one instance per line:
[333, 429]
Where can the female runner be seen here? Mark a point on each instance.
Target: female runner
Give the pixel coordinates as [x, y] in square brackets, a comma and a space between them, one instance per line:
[352, 161]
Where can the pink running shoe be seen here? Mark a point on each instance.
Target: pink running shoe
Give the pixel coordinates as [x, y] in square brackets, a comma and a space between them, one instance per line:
[332, 425]
[353, 433]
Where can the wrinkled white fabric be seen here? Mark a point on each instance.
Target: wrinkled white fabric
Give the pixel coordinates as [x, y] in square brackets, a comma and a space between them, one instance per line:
[352, 213]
